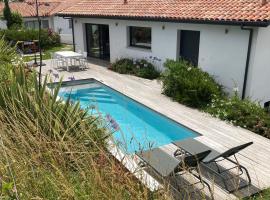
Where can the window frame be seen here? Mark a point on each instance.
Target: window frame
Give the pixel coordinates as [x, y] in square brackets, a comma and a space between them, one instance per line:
[31, 24]
[139, 46]
[45, 21]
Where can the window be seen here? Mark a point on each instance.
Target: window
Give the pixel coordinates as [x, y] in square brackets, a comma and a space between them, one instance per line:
[140, 37]
[70, 23]
[31, 24]
[34, 24]
[45, 24]
[189, 46]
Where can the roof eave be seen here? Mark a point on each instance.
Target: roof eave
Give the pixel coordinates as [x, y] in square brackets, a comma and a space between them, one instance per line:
[175, 20]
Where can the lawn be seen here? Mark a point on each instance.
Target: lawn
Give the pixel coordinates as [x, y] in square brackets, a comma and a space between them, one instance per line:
[46, 54]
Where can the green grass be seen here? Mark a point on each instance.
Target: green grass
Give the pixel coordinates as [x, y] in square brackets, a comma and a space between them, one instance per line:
[47, 53]
[264, 195]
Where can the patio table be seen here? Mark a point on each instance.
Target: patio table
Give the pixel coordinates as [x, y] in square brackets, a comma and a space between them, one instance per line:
[68, 55]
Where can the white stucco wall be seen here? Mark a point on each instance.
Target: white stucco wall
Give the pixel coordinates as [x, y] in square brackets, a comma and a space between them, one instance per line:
[221, 54]
[57, 23]
[66, 32]
[259, 73]
[63, 24]
[3, 24]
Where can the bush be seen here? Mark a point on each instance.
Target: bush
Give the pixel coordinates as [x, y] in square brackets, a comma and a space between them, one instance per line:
[141, 68]
[123, 66]
[243, 113]
[188, 84]
[14, 19]
[48, 37]
[17, 21]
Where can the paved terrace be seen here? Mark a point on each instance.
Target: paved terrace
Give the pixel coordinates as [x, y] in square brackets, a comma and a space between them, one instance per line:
[215, 133]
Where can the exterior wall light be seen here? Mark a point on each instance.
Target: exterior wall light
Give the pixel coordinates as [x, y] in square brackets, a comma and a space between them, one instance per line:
[226, 31]
[116, 23]
[163, 27]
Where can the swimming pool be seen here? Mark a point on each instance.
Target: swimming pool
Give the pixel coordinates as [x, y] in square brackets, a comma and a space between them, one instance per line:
[136, 127]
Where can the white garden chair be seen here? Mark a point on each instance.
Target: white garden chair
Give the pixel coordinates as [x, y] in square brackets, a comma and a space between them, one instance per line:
[83, 61]
[61, 63]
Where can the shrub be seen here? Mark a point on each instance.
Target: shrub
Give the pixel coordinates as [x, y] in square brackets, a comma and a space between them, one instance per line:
[141, 68]
[243, 113]
[48, 37]
[14, 19]
[7, 13]
[123, 66]
[145, 69]
[17, 21]
[188, 84]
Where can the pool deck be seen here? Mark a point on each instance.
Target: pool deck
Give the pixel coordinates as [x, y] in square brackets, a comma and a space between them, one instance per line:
[215, 133]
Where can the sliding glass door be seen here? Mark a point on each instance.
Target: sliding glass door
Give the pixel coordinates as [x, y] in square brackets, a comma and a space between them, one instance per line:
[98, 43]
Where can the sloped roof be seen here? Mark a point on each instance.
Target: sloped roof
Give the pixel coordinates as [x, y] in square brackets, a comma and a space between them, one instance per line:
[184, 10]
[46, 7]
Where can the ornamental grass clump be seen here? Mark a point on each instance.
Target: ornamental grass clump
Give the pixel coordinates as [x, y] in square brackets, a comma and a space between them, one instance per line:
[189, 85]
[55, 150]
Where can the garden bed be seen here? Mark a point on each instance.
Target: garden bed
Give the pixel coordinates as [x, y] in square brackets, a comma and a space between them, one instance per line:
[193, 87]
[138, 67]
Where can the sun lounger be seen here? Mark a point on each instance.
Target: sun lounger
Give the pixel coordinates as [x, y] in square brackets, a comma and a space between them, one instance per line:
[193, 146]
[166, 165]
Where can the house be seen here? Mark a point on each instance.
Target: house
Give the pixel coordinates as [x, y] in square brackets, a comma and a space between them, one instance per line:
[47, 11]
[230, 39]
[3, 24]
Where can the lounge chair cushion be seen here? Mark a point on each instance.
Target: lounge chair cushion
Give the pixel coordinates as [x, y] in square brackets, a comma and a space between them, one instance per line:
[160, 161]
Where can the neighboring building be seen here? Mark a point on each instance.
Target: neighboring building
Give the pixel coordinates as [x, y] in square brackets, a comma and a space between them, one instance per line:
[3, 24]
[230, 39]
[47, 11]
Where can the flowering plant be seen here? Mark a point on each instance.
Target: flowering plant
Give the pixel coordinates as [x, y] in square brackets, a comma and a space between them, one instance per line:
[137, 67]
[188, 84]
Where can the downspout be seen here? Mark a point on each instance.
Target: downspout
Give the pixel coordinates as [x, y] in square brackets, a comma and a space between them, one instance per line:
[73, 36]
[247, 60]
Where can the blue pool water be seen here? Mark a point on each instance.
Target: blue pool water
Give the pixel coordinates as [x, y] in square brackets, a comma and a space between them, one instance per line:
[135, 126]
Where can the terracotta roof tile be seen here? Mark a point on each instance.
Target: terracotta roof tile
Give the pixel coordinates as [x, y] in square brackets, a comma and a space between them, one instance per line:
[228, 10]
[46, 7]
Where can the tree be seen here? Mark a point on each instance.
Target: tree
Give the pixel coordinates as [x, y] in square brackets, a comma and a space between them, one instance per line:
[16, 20]
[7, 14]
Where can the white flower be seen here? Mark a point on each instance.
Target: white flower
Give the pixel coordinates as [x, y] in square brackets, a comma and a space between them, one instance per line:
[235, 89]
[189, 68]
